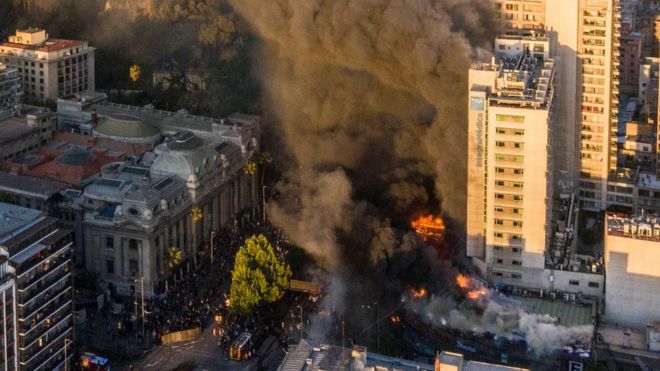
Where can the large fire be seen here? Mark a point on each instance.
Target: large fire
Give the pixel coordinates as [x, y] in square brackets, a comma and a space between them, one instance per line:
[473, 291]
[418, 294]
[429, 226]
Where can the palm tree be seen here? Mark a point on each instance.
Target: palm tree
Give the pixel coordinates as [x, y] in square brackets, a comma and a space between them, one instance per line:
[173, 257]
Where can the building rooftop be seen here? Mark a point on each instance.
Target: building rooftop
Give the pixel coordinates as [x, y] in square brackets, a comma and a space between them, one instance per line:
[14, 219]
[29, 185]
[567, 314]
[459, 363]
[51, 45]
[122, 126]
[525, 78]
[643, 227]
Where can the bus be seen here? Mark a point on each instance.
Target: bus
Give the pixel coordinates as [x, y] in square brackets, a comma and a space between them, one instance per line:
[242, 348]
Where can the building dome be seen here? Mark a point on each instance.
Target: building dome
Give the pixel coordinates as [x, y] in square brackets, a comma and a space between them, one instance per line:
[126, 128]
[76, 155]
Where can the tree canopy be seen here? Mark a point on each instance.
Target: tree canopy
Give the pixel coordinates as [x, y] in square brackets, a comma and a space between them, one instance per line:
[259, 275]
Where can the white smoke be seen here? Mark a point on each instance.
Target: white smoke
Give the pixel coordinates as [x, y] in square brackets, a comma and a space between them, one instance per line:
[542, 333]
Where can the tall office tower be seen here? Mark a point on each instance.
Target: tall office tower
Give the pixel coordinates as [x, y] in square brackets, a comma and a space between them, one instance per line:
[585, 41]
[50, 68]
[509, 160]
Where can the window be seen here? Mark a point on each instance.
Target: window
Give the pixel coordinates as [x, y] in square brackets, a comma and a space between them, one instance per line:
[516, 262]
[516, 275]
[498, 247]
[499, 183]
[110, 266]
[499, 221]
[517, 184]
[517, 223]
[517, 211]
[515, 249]
[499, 209]
[109, 242]
[499, 235]
[500, 144]
[518, 197]
[497, 274]
[574, 283]
[594, 285]
[499, 170]
[518, 171]
[133, 244]
[500, 261]
[133, 265]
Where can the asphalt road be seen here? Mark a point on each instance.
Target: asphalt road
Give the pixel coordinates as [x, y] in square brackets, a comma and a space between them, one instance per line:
[203, 352]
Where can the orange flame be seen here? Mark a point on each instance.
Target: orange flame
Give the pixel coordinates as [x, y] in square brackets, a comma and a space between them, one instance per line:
[463, 281]
[472, 290]
[418, 294]
[395, 319]
[429, 226]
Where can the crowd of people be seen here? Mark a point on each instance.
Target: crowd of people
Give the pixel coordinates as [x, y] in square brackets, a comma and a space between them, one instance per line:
[195, 297]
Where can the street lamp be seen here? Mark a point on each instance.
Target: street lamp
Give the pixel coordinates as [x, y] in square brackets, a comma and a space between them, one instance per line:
[66, 363]
[378, 324]
[212, 237]
[301, 321]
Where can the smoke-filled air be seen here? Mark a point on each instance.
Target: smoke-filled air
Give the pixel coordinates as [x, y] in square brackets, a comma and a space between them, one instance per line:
[370, 97]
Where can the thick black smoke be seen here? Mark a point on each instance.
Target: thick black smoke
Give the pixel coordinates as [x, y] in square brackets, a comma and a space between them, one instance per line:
[370, 96]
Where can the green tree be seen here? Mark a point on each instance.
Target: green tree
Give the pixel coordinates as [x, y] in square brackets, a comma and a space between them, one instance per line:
[259, 276]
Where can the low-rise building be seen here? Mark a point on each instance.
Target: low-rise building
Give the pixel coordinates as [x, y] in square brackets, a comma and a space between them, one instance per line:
[10, 88]
[24, 131]
[632, 257]
[40, 255]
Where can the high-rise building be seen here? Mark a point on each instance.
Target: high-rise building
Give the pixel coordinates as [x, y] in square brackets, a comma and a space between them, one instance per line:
[50, 68]
[509, 159]
[585, 38]
[40, 257]
[10, 88]
[8, 346]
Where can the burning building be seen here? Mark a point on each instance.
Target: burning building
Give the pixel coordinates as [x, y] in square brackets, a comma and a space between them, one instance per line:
[429, 227]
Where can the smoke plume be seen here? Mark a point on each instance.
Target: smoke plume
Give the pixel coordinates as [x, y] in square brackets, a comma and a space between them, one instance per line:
[542, 333]
[370, 99]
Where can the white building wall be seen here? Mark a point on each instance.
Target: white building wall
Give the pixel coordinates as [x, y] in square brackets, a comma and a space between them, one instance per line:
[632, 292]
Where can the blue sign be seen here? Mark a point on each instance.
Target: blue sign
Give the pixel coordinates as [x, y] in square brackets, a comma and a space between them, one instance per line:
[477, 103]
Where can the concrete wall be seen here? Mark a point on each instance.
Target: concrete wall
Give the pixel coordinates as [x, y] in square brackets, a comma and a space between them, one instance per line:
[632, 292]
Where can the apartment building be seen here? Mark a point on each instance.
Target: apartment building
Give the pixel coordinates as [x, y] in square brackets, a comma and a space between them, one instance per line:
[10, 88]
[40, 257]
[509, 159]
[8, 346]
[50, 68]
[521, 16]
[585, 39]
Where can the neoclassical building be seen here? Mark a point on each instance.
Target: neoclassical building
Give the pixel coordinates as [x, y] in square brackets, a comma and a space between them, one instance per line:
[135, 209]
